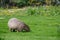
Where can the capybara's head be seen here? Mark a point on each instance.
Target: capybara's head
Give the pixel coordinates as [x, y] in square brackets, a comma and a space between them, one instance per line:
[26, 28]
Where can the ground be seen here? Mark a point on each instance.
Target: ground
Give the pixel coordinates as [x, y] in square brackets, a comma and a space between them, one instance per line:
[42, 28]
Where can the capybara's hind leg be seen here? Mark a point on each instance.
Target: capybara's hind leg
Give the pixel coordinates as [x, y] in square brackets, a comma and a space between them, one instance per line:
[11, 29]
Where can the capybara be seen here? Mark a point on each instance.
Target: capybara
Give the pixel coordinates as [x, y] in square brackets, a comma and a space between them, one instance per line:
[16, 25]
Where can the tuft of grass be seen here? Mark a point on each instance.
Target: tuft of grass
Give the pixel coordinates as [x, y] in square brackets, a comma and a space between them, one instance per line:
[42, 11]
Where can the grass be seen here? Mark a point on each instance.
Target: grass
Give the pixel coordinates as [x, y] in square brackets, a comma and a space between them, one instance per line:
[42, 28]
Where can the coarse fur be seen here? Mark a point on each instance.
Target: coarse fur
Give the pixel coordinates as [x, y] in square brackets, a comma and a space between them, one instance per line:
[16, 25]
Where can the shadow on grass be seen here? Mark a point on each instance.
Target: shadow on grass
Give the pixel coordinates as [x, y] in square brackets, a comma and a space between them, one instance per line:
[1, 39]
[25, 31]
[22, 31]
[3, 32]
[58, 32]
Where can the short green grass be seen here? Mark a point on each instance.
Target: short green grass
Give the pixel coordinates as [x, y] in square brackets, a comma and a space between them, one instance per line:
[42, 27]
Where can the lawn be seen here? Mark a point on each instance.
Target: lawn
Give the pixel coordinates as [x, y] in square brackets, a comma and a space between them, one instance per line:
[42, 28]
